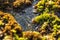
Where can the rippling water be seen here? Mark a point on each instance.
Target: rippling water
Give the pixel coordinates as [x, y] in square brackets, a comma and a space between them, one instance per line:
[24, 18]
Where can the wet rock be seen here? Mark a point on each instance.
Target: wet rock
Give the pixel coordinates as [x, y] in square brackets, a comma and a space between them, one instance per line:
[9, 4]
[8, 24]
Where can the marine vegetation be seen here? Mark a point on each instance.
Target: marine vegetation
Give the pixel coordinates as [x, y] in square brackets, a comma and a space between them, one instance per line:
[11, 30]
[48, 23]
[22, 2]
[10, 4]
[49, 26]
[8, 26]
[48, 30]
[47, 5]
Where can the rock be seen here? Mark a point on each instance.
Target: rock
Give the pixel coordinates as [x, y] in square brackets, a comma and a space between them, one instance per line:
[19, 3]
[8, 37]
[8, 24]
[14, 3]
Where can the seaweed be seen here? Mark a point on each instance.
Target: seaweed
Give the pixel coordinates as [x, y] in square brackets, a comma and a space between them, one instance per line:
[47, 5]
[6, 25]
[14, 4]
[48, 24]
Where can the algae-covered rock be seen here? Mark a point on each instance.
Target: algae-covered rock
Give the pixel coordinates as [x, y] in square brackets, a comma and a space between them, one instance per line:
[22, 2]
[49, 26]
[8, 25]
[47, 5]
[8, 37]
[10, 4]
[31, 35]
[45, 17]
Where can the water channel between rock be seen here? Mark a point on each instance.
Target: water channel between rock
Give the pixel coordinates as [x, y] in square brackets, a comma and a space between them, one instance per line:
[24, 19]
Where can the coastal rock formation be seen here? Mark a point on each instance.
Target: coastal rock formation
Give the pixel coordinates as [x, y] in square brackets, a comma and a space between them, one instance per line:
[8, 25]
[47, 5]
[49, 26]
[10, 4]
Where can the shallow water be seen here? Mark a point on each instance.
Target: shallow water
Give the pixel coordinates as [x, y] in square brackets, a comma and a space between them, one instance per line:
[24, 19]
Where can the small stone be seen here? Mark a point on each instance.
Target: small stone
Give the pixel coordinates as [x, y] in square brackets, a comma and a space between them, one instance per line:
[35, 11]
